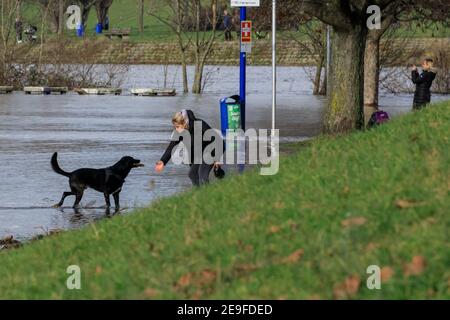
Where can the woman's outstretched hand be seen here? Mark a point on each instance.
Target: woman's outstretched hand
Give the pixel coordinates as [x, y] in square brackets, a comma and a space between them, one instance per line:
[159, 166]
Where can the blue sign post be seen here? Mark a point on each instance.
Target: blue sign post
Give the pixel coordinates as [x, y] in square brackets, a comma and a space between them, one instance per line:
[243, 83]
[243, 73]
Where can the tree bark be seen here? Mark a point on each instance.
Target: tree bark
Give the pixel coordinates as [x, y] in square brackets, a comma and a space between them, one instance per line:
[102, 7]
[371, 69]
[202, 47]
[141, 15]
[84, 16]
[323, 89]
[318, 76]
[197, 86]
[346, 104]
[184, 69]
[61, 16]
[179, 27]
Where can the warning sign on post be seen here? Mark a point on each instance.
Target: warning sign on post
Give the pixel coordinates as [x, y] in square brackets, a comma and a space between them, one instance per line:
[246, 36]
[245, 3]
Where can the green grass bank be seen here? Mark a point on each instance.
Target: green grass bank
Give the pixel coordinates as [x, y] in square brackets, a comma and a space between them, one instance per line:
[337, 206]
[124, 14]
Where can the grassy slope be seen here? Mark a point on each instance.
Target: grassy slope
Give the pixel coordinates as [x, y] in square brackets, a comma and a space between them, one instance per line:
[123, 14]
[237, 235]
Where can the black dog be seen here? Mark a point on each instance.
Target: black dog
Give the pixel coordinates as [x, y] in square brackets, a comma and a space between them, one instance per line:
[108, 181]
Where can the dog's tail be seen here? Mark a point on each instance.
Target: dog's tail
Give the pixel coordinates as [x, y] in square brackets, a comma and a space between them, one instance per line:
[56, 167]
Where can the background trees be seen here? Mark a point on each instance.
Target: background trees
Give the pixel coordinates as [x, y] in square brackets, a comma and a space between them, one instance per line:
[102, 7]
[349, 48]
[195, 24]
[8, 13]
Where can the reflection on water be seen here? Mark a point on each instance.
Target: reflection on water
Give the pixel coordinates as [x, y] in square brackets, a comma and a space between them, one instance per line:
[91, 131]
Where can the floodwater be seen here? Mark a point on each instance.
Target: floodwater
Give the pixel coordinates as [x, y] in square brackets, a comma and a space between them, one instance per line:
[96, 131]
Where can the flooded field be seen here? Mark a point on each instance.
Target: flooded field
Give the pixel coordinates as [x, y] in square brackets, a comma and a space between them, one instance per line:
[96, 131]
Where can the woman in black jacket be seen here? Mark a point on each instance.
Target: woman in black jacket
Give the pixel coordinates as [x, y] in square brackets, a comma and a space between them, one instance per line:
[200, 170]
[423, 83]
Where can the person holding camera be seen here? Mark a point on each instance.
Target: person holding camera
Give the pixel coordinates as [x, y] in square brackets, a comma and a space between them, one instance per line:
[423, 82]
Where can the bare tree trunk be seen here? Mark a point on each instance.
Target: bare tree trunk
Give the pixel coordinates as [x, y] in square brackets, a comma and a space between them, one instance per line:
[8, 11]
[44, 18]
[371, 69]
[318, 76]
[141, 15]
[61, 17]
[184, 72]
[102, 7]
[181, 45]
[345, 107]
[84, 16]
[323, 88]
[176, 22]
[197, 87]
[202, 48]
[19, 9]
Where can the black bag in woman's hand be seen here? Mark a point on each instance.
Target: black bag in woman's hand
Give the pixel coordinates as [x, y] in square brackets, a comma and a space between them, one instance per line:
[219, 173]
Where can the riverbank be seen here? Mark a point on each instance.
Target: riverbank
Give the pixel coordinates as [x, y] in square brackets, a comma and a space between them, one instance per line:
[311, 231]
[103, 51]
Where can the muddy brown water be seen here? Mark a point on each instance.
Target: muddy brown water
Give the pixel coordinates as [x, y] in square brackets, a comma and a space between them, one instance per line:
[96, 131]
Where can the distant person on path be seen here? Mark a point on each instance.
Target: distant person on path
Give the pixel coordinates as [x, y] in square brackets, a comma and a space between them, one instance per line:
[423, 82]
[228, 25]
[18, 26]
[106, 26]
[199, 172]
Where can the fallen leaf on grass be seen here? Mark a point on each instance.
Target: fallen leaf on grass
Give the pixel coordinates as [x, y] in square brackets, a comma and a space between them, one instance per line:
[431, 293]
[249, 217]
[150, 293]
[371, 246]
[348, 288]
[294, 226]
[405, 204]
[354, 221]
[207, 277]
[293, 257]
[244, 247]
[201, 278]
[185, 280]
[386, 274]
[279, 205]
[98, 270]
[274, 229]
[197, 295]
[245, 268]
[415, 267]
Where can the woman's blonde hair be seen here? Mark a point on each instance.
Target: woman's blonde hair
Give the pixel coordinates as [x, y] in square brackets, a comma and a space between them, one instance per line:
[178, 119]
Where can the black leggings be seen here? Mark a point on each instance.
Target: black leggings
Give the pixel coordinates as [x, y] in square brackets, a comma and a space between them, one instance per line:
[228, 36]
[199, 173]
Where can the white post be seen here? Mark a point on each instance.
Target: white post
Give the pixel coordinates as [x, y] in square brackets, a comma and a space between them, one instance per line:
[328, 58]
[274, 70]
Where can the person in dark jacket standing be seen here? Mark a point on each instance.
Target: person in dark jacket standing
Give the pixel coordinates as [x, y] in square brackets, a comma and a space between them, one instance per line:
[200, 170]
[228, 25]
[18, 26]
[423, 83]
